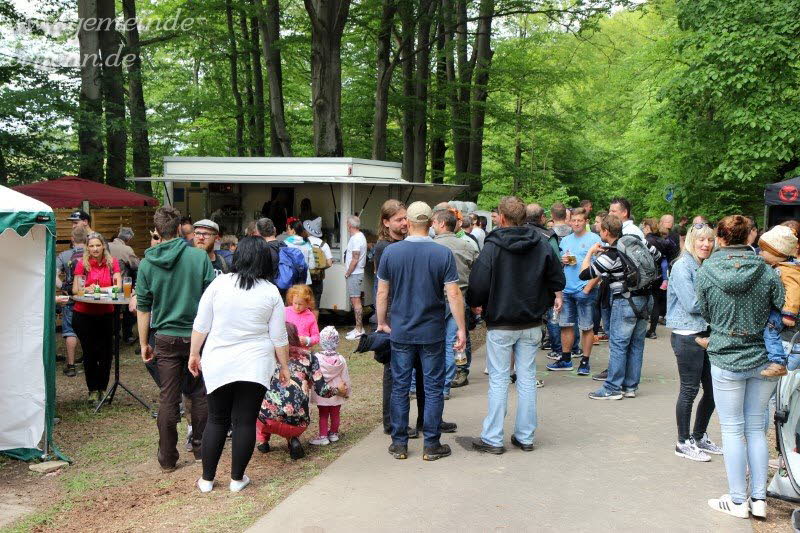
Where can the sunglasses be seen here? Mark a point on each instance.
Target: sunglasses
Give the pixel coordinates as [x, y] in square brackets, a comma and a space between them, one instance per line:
[700, 225]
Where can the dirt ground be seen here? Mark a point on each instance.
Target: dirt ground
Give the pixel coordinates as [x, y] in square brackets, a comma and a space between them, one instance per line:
[115, 483]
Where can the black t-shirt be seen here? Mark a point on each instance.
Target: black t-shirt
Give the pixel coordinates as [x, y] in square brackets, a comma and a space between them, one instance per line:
[377, 252]
[219, 264]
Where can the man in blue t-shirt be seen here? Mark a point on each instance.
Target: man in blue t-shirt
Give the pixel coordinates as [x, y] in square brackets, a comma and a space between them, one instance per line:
[414, 272]
[580, 297]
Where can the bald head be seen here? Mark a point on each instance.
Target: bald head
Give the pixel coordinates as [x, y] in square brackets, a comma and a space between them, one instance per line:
[534, 214]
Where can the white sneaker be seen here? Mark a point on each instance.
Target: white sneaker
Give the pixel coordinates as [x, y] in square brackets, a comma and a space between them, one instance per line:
[707, 446]
[333, 437]
[353, 335]
[320, 441]
[758, 508]
[724, 504]
[205, 486]
[629, 393]
[237, 486]
[690, 451]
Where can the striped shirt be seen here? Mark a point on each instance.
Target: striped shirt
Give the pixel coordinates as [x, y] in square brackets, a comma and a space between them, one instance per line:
[609, 267]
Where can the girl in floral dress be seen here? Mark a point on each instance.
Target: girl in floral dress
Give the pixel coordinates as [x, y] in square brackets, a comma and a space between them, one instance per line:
[284, 411]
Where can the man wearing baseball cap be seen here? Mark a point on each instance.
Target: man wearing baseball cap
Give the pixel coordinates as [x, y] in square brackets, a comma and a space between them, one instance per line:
[81, 218]
[206, 233]
[414, 272]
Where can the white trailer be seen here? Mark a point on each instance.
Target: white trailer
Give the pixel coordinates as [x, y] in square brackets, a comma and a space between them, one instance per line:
[234, 190]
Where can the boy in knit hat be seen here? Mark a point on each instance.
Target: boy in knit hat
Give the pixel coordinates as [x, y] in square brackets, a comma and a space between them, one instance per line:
[778, 248]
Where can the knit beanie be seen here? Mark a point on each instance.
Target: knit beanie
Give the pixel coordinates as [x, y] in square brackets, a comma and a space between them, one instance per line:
[780, 241]
[329, 339]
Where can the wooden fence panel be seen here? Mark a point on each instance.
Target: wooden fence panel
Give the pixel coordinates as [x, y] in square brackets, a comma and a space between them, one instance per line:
[107, 221]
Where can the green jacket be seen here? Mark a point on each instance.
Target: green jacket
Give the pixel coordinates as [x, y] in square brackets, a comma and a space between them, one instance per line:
[735, 292]
[172, 277]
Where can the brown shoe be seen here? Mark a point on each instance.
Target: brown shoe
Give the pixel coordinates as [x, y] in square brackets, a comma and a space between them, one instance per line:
[774, 370]
[702, 341]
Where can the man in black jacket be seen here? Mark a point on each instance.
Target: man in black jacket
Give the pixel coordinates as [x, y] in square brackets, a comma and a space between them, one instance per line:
[515, 279]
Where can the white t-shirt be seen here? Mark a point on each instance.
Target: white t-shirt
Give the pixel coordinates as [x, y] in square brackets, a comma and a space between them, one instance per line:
[479, 234]
[243, 327]
[357, 243]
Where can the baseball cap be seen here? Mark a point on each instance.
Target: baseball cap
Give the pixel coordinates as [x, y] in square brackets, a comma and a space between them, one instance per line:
[205, 223]
[79, 215]
[419, 212]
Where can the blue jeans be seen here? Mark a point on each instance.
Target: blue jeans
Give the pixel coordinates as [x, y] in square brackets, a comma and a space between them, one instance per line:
[578, 310]
[742, 398]
[451, 333]
[501, 347]
[554, 334]
[772, 339]
[626, 343]
[432, 358]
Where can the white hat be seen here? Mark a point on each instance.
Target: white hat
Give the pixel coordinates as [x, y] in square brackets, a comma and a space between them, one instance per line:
[419, 212]
[314, 227]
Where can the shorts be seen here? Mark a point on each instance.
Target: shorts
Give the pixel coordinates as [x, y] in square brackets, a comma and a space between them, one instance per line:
[66, 322]
[578, 306]
[354, 285]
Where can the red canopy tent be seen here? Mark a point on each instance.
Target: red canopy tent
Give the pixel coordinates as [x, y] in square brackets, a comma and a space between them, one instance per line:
[71, 191]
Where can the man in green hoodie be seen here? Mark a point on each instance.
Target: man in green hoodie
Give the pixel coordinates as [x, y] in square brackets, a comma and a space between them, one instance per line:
[172, 277]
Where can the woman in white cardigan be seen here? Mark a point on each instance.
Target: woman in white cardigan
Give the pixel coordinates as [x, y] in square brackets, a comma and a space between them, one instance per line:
[241, 331]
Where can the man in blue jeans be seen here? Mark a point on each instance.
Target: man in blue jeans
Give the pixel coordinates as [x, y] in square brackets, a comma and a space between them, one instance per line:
[580, 296]
[515, 279]
[627, 332]
[417, 273]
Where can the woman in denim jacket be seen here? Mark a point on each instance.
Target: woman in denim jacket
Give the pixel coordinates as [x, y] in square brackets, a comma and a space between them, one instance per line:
[694, 368]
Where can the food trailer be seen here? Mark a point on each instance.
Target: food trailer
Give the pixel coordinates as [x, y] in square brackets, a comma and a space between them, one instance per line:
[233, 191]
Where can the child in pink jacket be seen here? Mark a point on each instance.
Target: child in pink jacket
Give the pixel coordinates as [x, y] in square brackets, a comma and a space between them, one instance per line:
[334, 370]
[300, 312]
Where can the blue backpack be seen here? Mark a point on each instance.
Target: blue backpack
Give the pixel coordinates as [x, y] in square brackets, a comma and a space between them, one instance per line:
[292, 268]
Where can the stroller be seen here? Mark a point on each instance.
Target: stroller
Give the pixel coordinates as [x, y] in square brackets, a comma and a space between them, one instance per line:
[785, 485]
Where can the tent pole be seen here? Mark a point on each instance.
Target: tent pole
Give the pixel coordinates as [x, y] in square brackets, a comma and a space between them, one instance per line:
[766, 216]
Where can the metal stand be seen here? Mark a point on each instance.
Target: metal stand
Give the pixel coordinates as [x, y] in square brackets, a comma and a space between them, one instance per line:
[109, 397]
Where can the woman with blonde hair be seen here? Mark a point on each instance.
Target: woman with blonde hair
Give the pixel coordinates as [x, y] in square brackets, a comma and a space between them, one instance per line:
[694, 367]
[93, 323]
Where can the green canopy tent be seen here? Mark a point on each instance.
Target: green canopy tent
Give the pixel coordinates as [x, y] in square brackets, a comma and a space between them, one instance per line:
[27, 326]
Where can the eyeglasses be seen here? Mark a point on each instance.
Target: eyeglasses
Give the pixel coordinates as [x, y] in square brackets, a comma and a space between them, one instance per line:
[203, 234]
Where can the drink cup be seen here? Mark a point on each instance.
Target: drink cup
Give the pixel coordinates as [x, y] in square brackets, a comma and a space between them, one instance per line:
[572, 259]
[461, 357]
[81, 285]
[127, 285]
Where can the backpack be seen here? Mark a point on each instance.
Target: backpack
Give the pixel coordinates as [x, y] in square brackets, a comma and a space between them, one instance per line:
[640, 267]
[69, 270]
[320, 263]
[291, 269]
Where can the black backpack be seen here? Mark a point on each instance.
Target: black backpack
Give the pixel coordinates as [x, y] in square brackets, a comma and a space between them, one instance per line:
[640, 267]
[69, 270]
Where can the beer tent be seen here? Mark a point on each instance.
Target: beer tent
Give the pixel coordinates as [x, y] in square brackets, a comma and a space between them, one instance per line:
[27, 326]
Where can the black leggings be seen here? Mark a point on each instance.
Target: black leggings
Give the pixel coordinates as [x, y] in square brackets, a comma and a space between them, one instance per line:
[96, 335]
[233, 405]
[694, 370]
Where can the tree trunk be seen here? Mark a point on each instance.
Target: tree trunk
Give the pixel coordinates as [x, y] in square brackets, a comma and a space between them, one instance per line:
[270, 29]
[385, 69]
[420, 131]
[459, 80]
[438, 146]
[249, 110]
[407, 26]
[517, 146]
[3, 168]
[258, 86]
[483, 54]
[233, 59]
[140, 147]
[113, 94]
[328, 18]
[90, 113]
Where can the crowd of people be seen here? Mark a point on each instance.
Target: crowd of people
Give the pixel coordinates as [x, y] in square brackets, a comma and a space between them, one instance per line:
[231, 328]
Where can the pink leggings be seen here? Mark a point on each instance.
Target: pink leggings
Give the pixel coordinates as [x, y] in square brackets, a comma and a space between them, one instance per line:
[326, 411]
